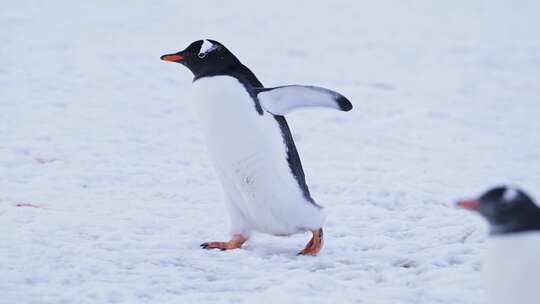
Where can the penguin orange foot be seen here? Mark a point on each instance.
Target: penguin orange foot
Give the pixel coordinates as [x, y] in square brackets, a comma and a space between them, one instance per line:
[236, 242]
[315, 244]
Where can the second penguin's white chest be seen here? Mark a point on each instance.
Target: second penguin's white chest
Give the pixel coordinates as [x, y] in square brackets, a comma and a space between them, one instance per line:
[512, 268]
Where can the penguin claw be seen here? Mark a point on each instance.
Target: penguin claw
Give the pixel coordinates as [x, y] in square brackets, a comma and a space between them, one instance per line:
[312, 250]
[208, 247]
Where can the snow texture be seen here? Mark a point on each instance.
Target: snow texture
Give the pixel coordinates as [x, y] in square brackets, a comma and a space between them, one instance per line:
[101, 148]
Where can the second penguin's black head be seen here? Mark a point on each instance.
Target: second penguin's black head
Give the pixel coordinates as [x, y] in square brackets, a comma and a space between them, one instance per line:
[507, 209]
[205, 58]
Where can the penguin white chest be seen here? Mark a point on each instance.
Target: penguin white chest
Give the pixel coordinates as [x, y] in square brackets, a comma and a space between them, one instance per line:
[512, 268]
[239, 139]
[250, 156]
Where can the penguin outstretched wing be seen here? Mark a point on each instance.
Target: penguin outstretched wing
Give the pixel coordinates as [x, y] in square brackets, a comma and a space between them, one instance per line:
[284, 99]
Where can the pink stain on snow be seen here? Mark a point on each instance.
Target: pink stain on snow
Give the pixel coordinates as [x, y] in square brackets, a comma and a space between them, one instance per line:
[28, 205]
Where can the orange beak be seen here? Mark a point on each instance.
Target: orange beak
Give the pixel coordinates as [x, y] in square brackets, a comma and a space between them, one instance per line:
[172, 57]
[468, 204]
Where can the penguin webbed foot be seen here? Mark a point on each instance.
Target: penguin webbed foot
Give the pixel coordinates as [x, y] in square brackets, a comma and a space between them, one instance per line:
[315, 244]
[236, 242]
[214, 245]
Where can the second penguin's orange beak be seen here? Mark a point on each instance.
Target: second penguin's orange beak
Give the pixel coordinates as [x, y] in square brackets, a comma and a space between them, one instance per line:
[468, 204]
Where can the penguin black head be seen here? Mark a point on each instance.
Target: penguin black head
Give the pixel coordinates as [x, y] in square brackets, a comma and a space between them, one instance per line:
[205, 58]
[508, 210]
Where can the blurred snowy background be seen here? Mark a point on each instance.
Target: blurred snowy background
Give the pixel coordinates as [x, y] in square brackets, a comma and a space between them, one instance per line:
[100, 134]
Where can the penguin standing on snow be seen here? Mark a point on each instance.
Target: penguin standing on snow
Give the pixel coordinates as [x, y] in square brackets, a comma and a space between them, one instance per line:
[513, 262]
[251, 145]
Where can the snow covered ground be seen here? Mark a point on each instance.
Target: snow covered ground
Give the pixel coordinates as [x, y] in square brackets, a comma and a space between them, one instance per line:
[100, 134]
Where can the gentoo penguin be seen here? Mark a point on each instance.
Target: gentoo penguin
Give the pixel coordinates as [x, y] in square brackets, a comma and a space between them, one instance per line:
[251, 146]
[512, 266]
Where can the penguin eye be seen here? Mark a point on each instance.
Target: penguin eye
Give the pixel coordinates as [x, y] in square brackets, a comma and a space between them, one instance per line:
[202, 55]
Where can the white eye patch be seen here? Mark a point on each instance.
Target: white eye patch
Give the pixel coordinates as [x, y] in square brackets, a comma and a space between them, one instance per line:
[206, 48]
[510, 194]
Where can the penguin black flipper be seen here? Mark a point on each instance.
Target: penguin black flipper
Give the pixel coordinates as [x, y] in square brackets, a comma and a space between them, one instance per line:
[282, 100]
